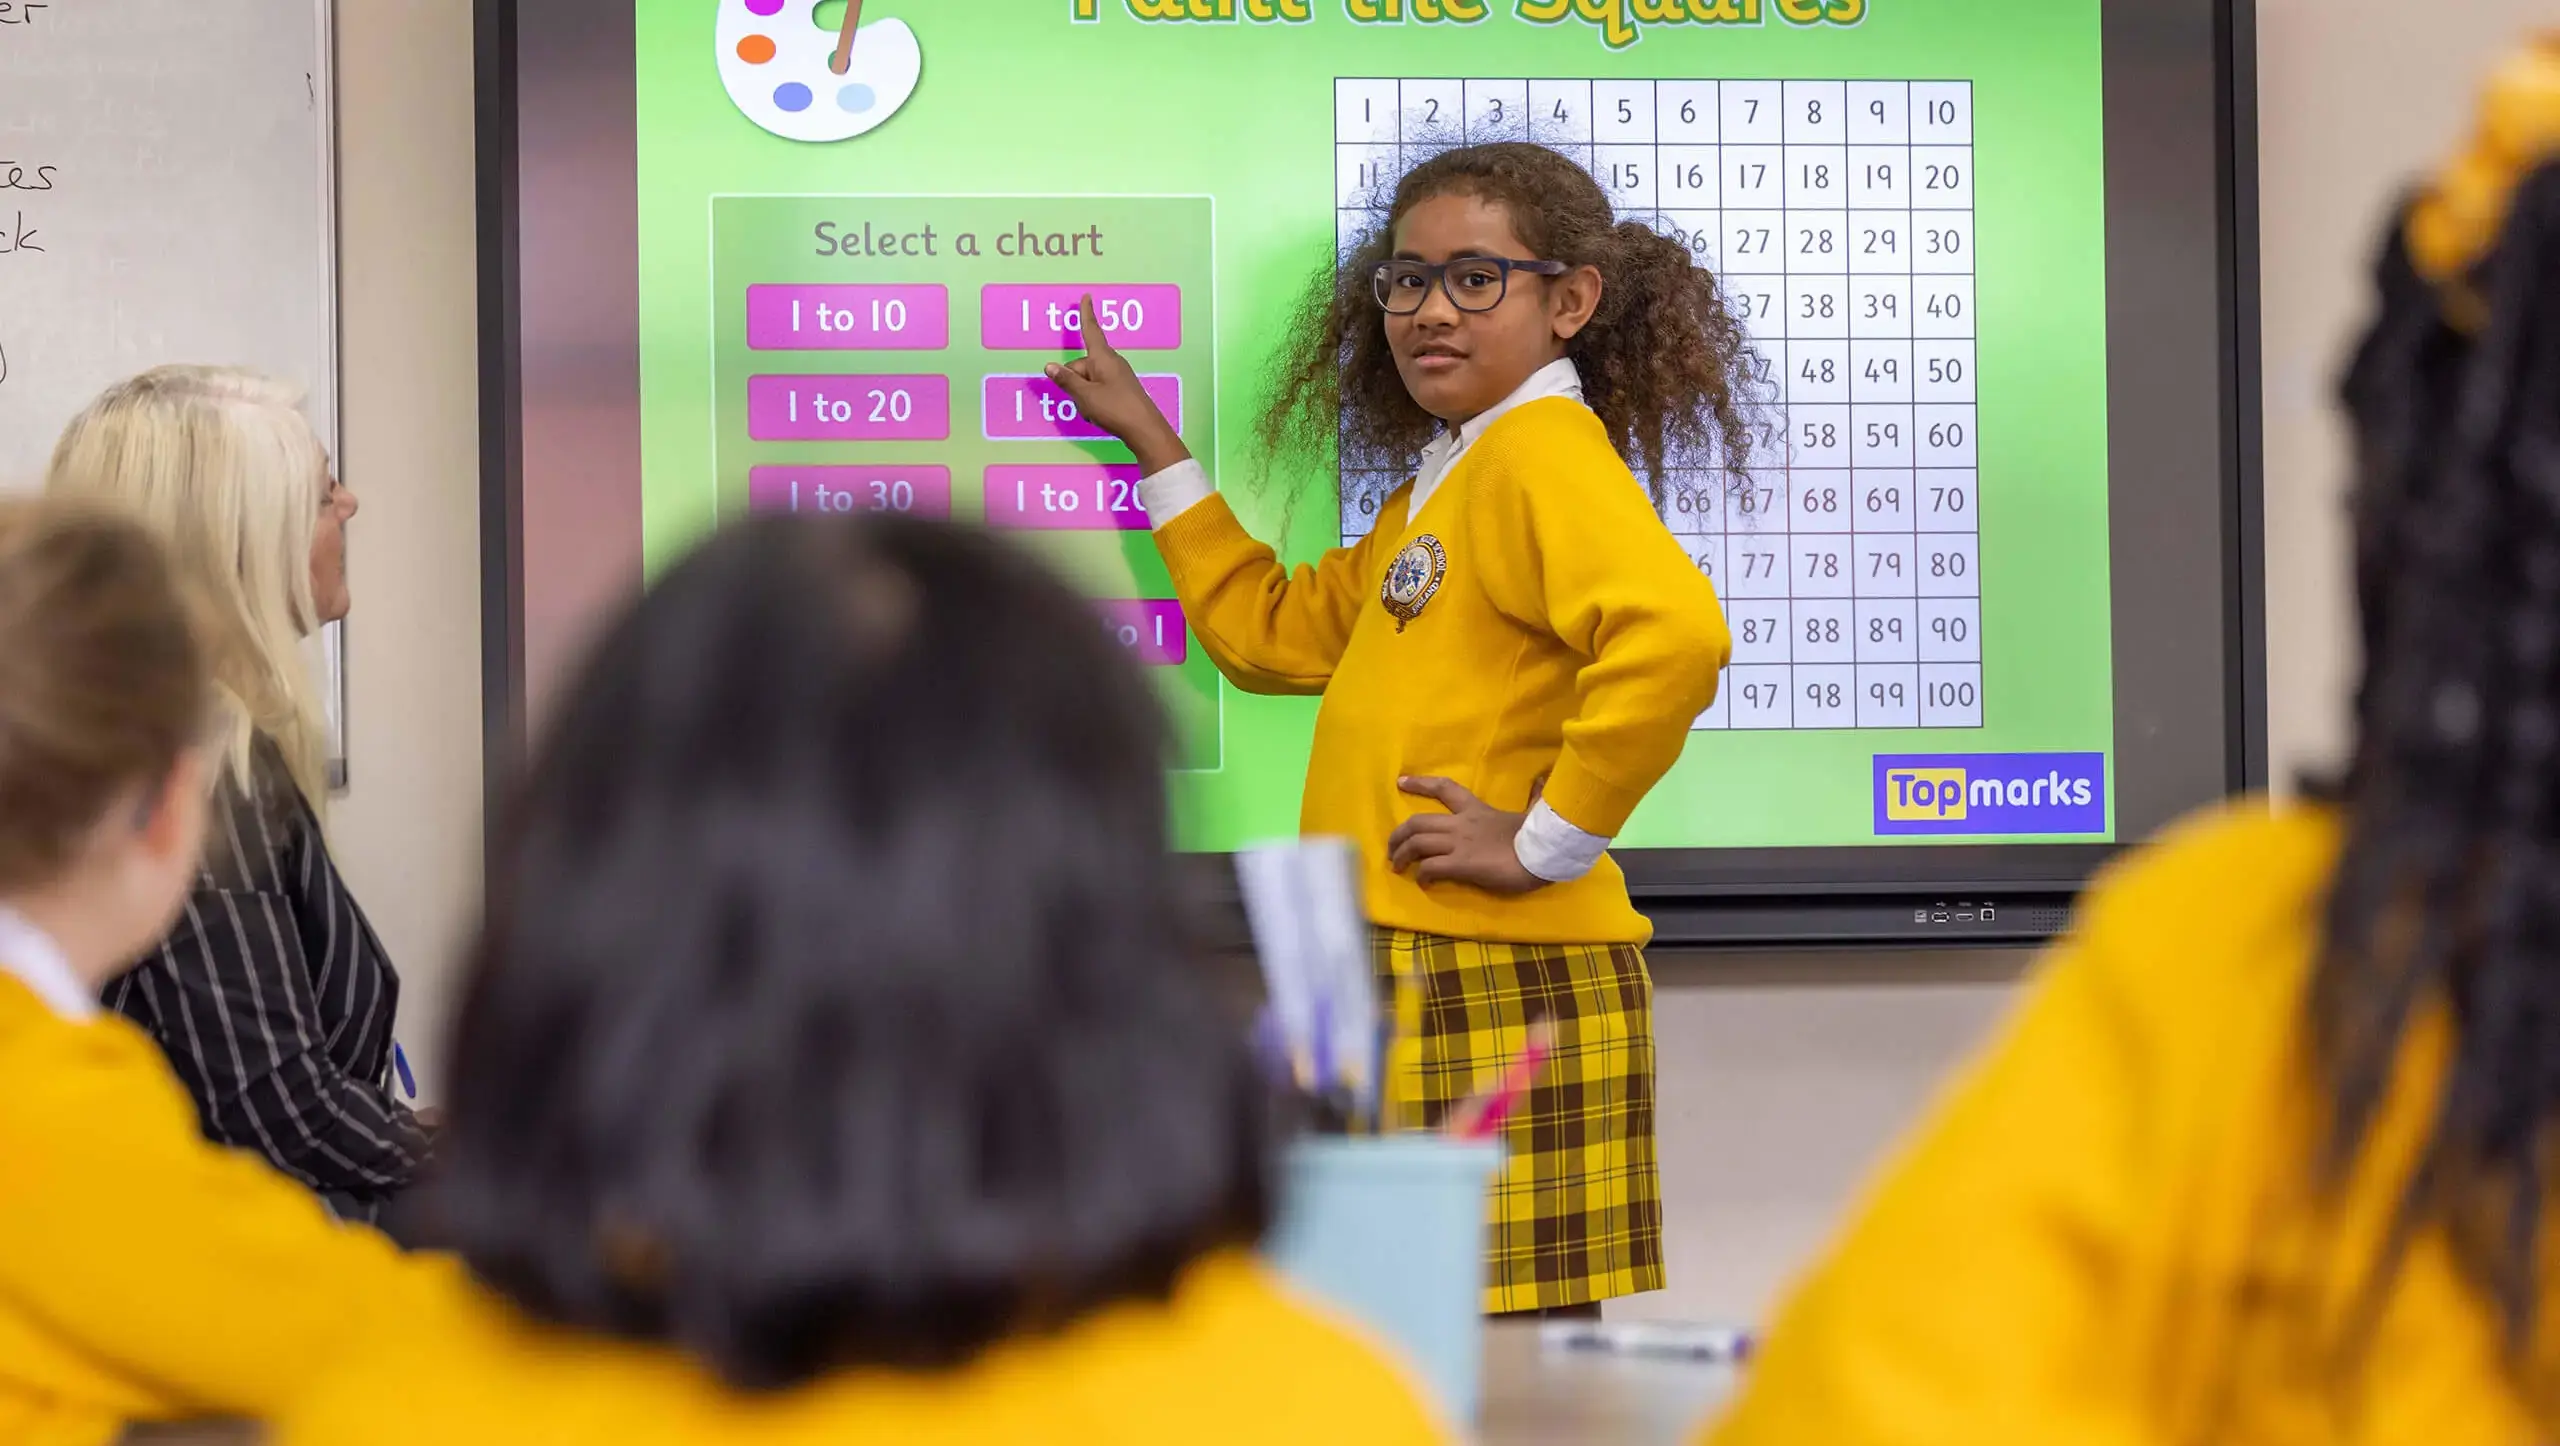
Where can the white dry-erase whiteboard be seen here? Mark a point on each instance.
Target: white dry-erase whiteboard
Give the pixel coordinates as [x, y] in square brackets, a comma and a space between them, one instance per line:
[168, 193]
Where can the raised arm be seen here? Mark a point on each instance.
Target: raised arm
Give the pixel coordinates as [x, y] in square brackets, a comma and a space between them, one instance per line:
[1270, 630]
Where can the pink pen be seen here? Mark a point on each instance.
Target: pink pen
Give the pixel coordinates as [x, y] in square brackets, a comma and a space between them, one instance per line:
[1478, 1118]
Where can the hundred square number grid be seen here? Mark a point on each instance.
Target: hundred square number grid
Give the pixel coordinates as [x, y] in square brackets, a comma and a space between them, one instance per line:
[1838, 217]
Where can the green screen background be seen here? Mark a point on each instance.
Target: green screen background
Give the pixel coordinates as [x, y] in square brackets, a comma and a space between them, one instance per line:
[1017, 100]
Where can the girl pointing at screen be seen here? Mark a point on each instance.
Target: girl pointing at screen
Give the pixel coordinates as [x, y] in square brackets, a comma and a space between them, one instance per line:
[1508, 662]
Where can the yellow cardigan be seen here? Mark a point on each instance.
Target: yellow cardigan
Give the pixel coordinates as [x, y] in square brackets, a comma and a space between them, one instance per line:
[1231, 1360]
[2110, 1235]
[1567, 635]
[144, 1274]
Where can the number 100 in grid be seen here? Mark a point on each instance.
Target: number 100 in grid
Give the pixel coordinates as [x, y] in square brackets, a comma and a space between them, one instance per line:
[1838, 219]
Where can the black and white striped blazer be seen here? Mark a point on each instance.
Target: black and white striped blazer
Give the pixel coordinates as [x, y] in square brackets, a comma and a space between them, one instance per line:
[274, 1001]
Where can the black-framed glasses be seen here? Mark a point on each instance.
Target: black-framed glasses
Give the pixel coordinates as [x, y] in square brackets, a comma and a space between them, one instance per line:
[1474, 283]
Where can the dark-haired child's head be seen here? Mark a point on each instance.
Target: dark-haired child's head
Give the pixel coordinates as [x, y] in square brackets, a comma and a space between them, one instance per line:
[1662, 361]
[832, 1007]
[2447, 889]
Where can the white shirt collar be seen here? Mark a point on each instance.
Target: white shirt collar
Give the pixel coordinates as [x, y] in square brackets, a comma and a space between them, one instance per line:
[29, 954]
[1558, 378]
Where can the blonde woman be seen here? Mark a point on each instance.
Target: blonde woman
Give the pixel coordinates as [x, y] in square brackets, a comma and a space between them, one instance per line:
[272, 997]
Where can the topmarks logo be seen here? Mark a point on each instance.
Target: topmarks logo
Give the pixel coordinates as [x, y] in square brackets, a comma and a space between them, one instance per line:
[1925, 793]
[2016, 794]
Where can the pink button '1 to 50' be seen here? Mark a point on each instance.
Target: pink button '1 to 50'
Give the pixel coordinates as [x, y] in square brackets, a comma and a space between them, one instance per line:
[1046, 318]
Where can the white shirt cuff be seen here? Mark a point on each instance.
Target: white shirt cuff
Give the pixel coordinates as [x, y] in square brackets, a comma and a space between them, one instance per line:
[1174, 491]
[1553, 849]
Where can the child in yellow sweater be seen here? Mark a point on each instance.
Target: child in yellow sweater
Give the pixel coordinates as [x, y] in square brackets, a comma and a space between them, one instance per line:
[834, 1068]
[1508, 662]
[144, 1274]
[2266, 1154]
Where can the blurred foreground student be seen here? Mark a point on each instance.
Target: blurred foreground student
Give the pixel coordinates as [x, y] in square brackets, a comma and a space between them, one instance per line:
[144, 1274]
[2269, 1153]
[271, 995]
[832, 1068]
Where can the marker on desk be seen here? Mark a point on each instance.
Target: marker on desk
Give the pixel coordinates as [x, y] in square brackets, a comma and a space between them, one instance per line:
[1709, 1345]
[400, 1064]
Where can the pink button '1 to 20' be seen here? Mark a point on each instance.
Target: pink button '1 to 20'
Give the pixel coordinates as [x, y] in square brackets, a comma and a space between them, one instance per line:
[1046, 318]
[849, 408]
[849, 318]
[1151, 630]
[1072, 497]
[1024, 408]
[920, 491]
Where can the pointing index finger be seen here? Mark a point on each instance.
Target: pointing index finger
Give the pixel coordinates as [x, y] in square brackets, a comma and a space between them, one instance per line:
[1095, 342]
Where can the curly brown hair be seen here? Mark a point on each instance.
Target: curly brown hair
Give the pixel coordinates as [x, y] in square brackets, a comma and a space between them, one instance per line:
[1663, 363]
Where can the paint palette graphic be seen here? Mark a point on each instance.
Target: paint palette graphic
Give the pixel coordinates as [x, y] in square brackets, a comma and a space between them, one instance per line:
[773, 59]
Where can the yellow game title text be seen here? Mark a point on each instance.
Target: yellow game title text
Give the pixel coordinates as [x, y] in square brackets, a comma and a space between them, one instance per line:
[1620, 23]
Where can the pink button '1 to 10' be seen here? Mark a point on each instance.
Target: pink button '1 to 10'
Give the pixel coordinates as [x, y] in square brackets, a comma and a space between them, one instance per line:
[1073, 497]
[1152, 630]
[918, 491]
[849, 408]
[1045, 318]
[1020, 408]
[849, 318]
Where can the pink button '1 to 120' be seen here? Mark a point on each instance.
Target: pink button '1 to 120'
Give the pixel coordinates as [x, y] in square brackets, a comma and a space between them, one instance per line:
[849, 318]
[1150, 629]
[849, 408]
[1015, 317]
[1071, 497]
[921, 491]
[1029, 408]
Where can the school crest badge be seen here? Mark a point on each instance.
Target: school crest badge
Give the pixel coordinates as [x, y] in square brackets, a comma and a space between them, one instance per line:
[1413, 578]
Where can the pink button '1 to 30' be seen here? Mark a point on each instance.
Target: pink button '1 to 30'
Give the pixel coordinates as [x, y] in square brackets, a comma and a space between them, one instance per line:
[920, 491]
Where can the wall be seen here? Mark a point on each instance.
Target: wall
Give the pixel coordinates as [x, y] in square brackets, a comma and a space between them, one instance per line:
[1783, 1077]
[2357, 98]
[407, 832]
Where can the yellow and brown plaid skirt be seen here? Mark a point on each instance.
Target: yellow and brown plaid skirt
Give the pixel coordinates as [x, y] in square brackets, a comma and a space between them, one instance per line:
[1576, 1214]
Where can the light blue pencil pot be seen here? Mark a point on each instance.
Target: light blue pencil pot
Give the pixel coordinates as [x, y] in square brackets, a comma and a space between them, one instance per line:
[1390, 1230]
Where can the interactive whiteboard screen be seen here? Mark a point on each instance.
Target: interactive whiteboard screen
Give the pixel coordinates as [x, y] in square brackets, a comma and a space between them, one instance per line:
[1984, 577]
